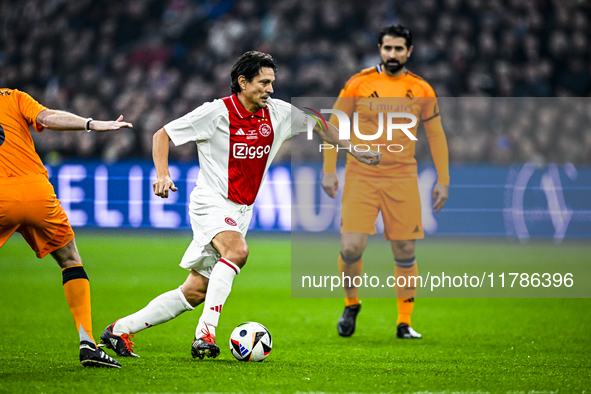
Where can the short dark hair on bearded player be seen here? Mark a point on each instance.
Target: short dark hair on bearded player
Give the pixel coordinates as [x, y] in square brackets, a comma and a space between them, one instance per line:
[396, 31]
[250, 65]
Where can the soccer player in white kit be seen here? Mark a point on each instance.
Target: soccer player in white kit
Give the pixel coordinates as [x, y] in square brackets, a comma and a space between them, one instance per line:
[237, 138]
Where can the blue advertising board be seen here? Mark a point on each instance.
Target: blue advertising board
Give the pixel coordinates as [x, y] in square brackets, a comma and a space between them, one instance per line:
[519, 201]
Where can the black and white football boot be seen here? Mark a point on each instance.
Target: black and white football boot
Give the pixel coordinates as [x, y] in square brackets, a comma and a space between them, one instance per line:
[121, 344]
[205, 345]
[346, 324]
[404, 331]
[91, 356]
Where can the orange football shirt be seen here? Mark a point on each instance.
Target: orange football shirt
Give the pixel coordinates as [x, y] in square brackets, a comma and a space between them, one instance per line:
[18, 157]
[373, 94]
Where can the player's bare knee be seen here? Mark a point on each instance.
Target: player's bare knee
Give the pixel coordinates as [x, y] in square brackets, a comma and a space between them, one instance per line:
[351, 253]
[238, 255]
[193, 296]
[403, 249]
[67, 256]
[194, 288]
[70, 263]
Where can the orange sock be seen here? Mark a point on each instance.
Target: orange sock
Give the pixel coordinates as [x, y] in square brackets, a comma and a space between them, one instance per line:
[350, 269]
[77, 291]
[406, 294]
[352, 301]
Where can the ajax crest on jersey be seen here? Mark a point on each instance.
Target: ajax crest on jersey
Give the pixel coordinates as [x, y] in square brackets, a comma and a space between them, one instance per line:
[265, 129]
[250, 342]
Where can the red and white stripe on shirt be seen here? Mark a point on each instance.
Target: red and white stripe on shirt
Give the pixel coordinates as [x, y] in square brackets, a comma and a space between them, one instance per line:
[236, 147]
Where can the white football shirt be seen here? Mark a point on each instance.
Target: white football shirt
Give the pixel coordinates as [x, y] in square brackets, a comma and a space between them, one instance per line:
[236, 147]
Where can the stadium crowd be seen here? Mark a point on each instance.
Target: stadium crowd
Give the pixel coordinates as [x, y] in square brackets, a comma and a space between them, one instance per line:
[155, 60]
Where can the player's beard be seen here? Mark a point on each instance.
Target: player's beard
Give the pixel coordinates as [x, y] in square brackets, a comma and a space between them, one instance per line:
[393, 68]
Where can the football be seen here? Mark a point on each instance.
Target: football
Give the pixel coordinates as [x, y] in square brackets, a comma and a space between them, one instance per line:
[250, 342]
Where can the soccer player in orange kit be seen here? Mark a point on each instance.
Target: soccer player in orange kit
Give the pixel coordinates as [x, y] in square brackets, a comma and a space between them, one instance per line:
[28, 203]
[391, 187]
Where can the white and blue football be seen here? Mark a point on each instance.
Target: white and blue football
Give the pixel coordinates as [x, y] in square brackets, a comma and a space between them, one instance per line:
[250, 342]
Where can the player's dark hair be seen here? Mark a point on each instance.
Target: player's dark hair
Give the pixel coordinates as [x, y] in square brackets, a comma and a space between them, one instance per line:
[396, 31]
[250, 65]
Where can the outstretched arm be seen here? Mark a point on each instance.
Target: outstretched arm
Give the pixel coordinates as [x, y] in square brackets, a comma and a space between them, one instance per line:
[160, 148]
[62, 120]
[330, 183]
[331, 135]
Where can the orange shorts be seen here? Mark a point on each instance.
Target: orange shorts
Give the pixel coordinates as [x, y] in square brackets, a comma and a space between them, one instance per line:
[397, 199]
[28, 205]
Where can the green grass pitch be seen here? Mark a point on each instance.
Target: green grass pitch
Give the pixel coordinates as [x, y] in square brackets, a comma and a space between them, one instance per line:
[469, 345]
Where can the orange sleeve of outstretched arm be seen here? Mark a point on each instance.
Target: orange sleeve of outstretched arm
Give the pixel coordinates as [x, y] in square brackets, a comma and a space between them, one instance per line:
[438, 145]
[29, 108]
[347, 106]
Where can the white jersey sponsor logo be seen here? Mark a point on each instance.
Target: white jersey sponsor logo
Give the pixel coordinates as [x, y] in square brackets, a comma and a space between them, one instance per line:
[243, 151]
[252, 135]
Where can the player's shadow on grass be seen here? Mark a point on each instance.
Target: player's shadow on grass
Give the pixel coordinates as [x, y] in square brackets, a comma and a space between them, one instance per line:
[208, 361]
[363, 341]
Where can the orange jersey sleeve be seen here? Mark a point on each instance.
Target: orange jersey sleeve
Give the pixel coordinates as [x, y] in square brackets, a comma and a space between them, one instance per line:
[373, 95]
[346, 103]
[434, 130]
[18, 111]
[438, 145]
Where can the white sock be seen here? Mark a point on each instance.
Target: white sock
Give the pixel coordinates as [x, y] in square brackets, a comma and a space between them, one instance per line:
[218, 290]
[161, 309]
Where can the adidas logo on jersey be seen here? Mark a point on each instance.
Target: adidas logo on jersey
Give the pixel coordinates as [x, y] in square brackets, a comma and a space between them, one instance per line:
[240, 132]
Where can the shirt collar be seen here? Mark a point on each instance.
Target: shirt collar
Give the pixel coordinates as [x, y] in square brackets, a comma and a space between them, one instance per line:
[379, 68]
[243, 112]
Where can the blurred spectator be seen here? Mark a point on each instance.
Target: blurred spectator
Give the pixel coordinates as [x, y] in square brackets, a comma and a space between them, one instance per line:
[154, 60]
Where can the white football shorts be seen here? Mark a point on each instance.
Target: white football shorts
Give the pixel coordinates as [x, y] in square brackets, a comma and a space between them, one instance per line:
[210, 214]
